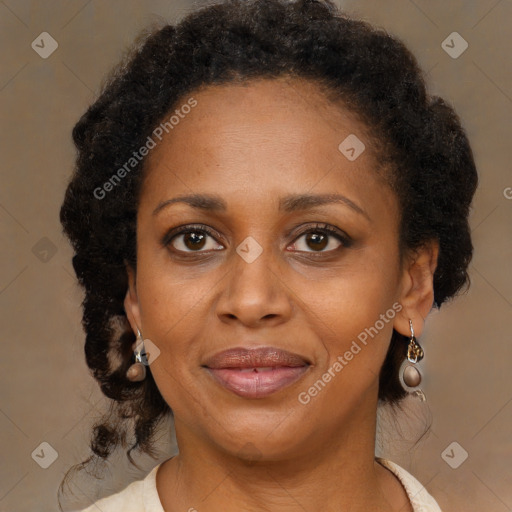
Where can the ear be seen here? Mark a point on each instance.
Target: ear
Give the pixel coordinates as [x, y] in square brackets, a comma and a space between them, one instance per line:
[417, 288]
[131, 302]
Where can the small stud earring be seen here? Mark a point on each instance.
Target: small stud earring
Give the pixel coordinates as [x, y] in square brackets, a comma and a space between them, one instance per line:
[410, 375]
[137, 371]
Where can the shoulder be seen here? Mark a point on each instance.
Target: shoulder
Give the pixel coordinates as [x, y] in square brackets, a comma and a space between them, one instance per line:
[139, 496]
[421, 500]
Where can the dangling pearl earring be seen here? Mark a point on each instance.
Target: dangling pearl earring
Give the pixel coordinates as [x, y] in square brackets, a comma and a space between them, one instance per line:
[137, 371]
[410, 375]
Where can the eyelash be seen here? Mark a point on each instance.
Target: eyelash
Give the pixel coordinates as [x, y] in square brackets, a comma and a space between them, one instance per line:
[325, 229]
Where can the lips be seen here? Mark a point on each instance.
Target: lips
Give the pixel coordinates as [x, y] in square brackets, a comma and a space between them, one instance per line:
[256, 373]
[255, 358]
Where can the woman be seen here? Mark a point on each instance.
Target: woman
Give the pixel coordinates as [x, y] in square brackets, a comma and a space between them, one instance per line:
[266, 206]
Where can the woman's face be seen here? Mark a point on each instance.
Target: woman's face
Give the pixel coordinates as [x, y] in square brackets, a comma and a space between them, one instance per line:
[257, 270]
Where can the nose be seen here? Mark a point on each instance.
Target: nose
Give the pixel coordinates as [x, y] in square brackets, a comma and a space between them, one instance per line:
[255, 292]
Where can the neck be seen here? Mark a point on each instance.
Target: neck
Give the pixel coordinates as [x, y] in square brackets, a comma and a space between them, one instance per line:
[329, 472]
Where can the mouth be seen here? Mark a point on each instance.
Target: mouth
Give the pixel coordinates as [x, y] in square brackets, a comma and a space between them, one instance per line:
[256, 373]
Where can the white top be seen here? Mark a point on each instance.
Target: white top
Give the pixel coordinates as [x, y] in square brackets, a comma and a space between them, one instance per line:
[142, 495]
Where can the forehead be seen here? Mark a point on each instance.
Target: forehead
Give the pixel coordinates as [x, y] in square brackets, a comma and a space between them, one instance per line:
[265, 105]
[264, 135]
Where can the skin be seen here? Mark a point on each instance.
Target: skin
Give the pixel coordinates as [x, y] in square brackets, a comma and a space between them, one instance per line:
[251, 145]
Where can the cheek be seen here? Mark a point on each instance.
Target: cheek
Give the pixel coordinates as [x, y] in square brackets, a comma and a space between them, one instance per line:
[173, 309]
[172, 313]
[355, 311]
[166, 300]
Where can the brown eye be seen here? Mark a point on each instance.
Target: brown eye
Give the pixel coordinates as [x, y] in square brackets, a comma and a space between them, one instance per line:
[323, 238]
[192, 240]
[317, 241]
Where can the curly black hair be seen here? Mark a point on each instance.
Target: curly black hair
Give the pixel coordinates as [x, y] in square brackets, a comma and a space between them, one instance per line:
[372, 73]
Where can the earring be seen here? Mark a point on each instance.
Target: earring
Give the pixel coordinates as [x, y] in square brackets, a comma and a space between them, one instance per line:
[410, 375]
[137, 371]
[414, 350]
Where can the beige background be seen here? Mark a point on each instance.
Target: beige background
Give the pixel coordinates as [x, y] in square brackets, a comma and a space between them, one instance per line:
[47, 394]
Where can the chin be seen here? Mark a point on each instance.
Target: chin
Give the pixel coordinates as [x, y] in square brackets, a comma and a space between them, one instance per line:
[260, 438]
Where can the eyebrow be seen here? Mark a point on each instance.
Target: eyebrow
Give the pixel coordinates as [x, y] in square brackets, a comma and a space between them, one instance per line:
[287, 204]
